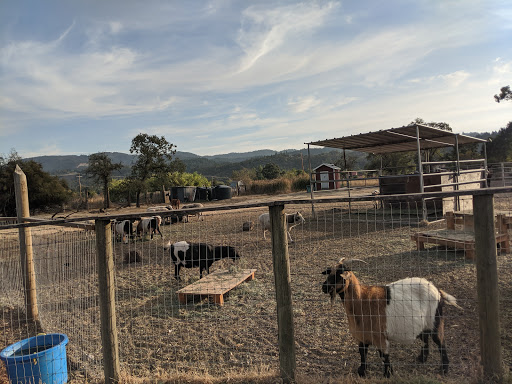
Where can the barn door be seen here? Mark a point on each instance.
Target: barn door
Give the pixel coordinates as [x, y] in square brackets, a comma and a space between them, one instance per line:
[324, 178]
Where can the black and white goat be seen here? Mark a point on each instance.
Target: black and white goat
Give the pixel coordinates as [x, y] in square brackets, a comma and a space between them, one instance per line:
[292, 220]
[401, 311]
[202, 255]
[149, 225]
[124, 230]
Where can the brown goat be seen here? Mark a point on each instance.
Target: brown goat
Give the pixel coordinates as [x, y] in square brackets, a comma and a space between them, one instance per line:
[401, 311]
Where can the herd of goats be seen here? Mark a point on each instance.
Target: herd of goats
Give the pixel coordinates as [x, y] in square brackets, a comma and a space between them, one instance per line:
[402, 311]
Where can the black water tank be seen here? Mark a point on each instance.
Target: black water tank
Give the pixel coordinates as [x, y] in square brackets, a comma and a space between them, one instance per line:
[203, 193]
[184, 194]
[222, 192]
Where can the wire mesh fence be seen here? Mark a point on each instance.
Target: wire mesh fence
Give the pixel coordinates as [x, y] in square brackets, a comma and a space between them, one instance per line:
[161, 332]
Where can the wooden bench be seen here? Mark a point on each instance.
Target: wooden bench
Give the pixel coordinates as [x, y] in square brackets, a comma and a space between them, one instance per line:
[215, 285]
[464, 238]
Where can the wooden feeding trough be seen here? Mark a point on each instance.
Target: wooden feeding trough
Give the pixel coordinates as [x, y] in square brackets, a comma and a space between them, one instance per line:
[464, 238]
[215, 285]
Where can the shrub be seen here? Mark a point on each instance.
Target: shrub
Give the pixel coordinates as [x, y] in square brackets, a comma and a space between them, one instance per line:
[271, 187]
[300, 183]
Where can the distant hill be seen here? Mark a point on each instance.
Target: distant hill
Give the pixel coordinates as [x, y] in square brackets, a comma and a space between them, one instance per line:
[218, 166]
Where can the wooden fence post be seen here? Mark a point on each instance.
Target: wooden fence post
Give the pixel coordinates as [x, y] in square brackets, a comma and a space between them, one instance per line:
[282, 280]
[26, 251]
[105, 260]
[487, 286]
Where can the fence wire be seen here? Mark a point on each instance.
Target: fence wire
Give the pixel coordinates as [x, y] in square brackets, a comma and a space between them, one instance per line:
[159, 334]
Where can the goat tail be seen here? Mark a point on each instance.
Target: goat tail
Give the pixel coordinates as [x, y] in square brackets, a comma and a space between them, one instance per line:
[449, 299]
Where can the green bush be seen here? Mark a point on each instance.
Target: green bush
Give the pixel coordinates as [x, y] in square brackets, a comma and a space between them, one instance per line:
[300, 184]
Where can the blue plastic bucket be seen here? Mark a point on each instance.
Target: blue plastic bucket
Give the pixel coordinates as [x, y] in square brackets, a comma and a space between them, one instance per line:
[37, 359]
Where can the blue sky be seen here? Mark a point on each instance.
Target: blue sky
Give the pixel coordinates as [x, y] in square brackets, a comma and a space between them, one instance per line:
[80, 77]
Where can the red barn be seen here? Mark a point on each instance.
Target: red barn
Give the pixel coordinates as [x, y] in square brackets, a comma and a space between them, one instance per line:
[326, 174]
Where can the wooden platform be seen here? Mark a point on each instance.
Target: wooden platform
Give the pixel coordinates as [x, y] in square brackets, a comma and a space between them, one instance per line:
[459, 240]
[215, 285]
[464, 238]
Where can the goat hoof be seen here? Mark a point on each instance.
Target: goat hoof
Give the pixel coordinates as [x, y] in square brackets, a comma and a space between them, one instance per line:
[361, 371]
[421, 358]
[388, 371]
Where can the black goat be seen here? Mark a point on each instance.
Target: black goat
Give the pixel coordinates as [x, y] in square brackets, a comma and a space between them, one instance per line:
[202, 255]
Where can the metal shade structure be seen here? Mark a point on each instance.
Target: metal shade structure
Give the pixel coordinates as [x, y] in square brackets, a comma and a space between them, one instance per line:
[413, 137]
[399, 140]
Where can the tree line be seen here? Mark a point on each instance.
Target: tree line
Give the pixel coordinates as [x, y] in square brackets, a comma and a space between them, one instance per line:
[156, 167]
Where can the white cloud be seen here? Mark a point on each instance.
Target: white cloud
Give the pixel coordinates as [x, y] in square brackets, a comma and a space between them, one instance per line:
[253, 75]
[115, 27]
[265, 30]
[456, 78]
[303, 104]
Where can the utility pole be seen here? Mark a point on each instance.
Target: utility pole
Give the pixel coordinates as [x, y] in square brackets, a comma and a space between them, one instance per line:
[80, 185]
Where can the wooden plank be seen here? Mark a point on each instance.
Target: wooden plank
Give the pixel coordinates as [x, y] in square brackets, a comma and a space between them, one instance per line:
[259, 204]
[87, 226]
[216, 285]
[487, 287]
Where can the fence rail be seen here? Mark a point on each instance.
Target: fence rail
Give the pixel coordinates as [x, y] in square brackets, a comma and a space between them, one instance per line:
[103, 292]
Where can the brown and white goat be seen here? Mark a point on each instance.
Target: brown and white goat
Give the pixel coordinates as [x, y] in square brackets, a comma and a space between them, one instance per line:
[401, 311]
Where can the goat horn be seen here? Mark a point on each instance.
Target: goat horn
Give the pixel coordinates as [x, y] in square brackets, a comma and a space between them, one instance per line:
[349, 261]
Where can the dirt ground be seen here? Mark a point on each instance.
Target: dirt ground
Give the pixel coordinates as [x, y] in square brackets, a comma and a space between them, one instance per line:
[160, 337]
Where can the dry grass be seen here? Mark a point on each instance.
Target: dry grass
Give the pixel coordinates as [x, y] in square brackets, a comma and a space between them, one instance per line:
[163, 341]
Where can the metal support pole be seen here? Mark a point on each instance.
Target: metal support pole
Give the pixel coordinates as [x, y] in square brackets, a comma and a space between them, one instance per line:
[487, 182]
[457, 175]
[311, 185]
[503, 174]
[347, 176]
[420, 169]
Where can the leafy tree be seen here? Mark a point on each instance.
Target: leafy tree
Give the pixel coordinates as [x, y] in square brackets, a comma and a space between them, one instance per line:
[270, 171]
[397, 163]
[244, 174]
[347, 162]
[505, 94]
[177, 179]
[44, 190]
[500, 148]
[177, 165]
[100, 169]
[433, 154]
[154, 158]
[121, 190]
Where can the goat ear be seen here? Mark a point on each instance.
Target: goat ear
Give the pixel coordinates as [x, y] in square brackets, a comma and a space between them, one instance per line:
[346, 275]
[327, 271]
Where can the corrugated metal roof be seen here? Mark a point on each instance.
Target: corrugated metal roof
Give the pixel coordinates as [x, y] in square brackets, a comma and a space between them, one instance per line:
[328, 165]
[398, 140]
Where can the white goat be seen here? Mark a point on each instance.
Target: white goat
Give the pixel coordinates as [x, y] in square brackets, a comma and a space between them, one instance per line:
[292, 220]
